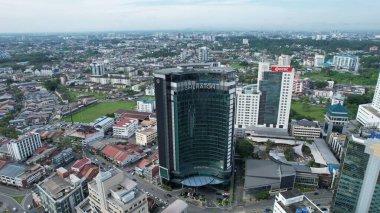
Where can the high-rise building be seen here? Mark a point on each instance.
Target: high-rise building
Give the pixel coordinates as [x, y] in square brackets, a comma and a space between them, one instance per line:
[358, 186]
[267, 103]
[284, 60]
[247, 106]
[203, 54]
[245, 41]
[346, 62]
[97, 69]
[275, 86]
[112, 192]
[369, 114]
[195, 116]
[319, 60]
[24, 147]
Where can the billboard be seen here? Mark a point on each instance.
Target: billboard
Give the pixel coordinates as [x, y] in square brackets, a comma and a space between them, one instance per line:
[282, 69]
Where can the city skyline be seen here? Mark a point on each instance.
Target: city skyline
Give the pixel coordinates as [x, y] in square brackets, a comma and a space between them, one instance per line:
[117, 15]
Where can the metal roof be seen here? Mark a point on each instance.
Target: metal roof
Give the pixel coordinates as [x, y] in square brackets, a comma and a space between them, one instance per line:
[12, 170]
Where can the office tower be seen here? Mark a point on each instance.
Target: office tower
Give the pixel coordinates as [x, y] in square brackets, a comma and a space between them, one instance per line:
[346, 62]
[203, 54]
[267, 103]
[294, 202]
[319, 60]
[275, 86]
[97, 69]
[369, 114]
[24, 147]
[358, 187]
[284, 60]
[247, 106]
[112, 192]
[245, 41]
[195, 115]
[61, 194]
[336, 118]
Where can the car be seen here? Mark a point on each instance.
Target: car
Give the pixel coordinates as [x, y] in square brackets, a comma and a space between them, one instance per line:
[169, 195]
[316, 193]
[134, 179]
[29, 206]
[267, 210]
[14, 209]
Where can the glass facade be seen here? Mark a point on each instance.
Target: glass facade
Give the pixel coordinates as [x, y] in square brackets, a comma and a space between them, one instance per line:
[270, 89]
[197, 111]
[350, 181]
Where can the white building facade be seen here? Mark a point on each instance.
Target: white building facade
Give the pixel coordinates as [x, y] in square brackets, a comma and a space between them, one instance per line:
[24, 147]
[369, 114]
[346, 62]
[125, 128]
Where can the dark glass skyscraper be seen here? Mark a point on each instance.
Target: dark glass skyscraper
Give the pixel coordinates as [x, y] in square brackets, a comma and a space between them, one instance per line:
[195, 116]
[358, 188]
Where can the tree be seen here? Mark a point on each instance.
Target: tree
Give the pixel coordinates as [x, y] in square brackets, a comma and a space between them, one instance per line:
[270, 145]
[244, 149]
[289, 152]
[320, 84]
[262, 195]
[51, 85]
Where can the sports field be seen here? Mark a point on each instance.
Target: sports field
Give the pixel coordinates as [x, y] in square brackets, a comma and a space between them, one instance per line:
[91, 113]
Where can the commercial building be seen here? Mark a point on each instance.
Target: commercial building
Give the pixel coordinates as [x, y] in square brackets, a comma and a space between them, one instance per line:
[178, 206]
[125, 127]
[275, 86]
[63, 158]
[120, 156]
[336, 118]
[337, 142]
[24, 146]
[203, 54]
[284, 61]
[97, 69]
[267, 175]
[305, 129]
[195, 115]
[103, 123]
[59, 194]
[146, 105]
[319, 60]
[247, 106]
[346, 62]
[245, 41]
[112, 192]
[267, 103]
[290, 202]
[369, 114]
[358, 189]
[146, 136]
[18, 175]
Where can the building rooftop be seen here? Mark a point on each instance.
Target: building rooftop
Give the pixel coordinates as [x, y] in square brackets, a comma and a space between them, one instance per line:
[57, 187]
[12, 170]
[190, 69]
[265, 172]
[177, 206]
[305, 123]
[337, 110]
[325, 151]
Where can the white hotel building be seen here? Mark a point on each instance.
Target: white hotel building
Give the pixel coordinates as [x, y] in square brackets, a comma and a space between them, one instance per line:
[369, 114]
[24, 147]
[267, 104]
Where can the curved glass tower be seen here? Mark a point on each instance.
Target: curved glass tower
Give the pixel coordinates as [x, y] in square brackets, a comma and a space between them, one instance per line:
[195, 115]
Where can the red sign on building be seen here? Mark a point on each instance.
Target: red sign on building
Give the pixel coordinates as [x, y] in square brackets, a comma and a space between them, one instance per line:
[282, 69]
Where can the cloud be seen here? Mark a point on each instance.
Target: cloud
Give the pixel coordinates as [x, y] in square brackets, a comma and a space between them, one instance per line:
[99, 15]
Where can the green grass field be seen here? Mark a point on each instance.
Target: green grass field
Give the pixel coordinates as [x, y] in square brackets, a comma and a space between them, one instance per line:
[91, 113]
[19, 198]
[148, 97]
[313, 112]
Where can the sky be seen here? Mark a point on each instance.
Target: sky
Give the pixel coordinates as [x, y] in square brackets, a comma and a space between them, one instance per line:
[17, 16]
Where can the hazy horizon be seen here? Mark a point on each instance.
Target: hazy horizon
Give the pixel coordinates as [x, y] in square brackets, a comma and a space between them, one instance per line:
[52, 16]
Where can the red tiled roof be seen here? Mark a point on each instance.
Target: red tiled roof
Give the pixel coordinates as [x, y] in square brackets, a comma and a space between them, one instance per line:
[79, 163]
[143, 163]
[115, 153]
[89, 171]
[124, 122]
